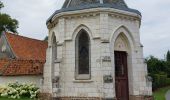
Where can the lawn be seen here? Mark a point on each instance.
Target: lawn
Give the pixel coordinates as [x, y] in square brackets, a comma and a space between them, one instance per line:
[160, 93]
[16, 99]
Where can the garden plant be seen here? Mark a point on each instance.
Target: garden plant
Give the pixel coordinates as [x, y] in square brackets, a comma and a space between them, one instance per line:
[17, 90]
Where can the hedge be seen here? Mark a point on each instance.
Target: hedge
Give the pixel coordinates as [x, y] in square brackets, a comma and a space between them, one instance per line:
[160, 80]
[168, 81]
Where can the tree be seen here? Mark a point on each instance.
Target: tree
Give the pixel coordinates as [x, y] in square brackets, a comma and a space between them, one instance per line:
[168, 56]
[159, 71]
[6, 22]
[155, 65]
[46, 38]
[1, 5]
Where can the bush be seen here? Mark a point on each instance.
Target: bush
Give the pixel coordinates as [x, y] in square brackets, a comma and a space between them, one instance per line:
[160, 80]
[168, 81]
[16, 90]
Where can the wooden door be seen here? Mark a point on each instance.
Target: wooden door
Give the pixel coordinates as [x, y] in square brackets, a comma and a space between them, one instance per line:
[121, 76]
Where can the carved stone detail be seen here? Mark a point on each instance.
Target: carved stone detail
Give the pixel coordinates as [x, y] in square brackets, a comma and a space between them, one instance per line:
[121, 44]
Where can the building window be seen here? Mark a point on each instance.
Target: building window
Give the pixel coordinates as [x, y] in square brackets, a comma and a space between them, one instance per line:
[54, 49]
[82, 55]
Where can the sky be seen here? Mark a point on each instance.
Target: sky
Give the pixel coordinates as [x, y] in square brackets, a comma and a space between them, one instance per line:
[154, 31]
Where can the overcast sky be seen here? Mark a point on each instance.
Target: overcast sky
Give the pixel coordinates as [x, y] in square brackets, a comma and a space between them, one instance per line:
[155, 28]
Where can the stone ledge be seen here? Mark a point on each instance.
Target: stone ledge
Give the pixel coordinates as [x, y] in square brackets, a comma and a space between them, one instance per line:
[133, 97]
[83, 81]
[77, 98]
[48, 96]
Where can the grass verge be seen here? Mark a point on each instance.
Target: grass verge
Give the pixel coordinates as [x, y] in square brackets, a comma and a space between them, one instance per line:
[160, 93]
[16, 99]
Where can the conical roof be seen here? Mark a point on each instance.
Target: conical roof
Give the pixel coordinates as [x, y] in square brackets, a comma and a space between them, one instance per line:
[78, 3]
[73, 5]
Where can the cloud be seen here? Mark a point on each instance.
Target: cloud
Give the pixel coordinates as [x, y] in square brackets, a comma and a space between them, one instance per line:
[32, 15]
[155, 32]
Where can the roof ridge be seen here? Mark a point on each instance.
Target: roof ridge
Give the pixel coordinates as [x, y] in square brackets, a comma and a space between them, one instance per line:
[25, 37]
[19, 59]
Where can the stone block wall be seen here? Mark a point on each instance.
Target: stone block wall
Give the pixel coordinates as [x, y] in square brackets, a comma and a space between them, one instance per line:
[101, 28]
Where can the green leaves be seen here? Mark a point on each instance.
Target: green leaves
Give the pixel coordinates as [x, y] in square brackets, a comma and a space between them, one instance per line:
[16, 90]
[1, 5]
[159, 70]
[168, 56]
[6, 22]
[46, 38]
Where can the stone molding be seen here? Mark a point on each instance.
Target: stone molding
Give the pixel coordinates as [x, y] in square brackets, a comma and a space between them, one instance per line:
[93, 12]
[83, 81]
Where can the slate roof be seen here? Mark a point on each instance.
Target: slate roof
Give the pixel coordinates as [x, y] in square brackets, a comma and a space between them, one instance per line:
[26, 48]
[73, 5]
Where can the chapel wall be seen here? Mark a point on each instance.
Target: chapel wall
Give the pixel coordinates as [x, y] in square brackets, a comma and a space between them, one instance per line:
[101, 28]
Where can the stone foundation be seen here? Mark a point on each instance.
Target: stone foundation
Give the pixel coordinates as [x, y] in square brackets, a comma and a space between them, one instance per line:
[83, 98]
[78, 98]
[45, 96]
[141, 98]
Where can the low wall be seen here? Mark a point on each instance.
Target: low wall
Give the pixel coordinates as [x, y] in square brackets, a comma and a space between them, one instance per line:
[21, 79]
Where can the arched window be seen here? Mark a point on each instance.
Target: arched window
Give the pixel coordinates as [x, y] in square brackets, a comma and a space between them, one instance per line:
[82, 55]
[54, 48]
[54, 59]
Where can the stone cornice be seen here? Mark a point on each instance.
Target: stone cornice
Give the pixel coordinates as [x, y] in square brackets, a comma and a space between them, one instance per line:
[93, 12]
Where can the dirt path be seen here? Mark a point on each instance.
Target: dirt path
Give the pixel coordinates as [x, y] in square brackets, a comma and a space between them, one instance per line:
[168, 95]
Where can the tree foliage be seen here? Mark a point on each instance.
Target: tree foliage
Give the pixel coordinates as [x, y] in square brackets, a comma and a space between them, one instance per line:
[159, 70]
[1, 5]
[46, 38]
[156, 65]
[168, 56]
[6, 22]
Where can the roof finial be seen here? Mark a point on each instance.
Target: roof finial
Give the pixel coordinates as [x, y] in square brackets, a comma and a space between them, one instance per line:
[69, 3]
[101, 1]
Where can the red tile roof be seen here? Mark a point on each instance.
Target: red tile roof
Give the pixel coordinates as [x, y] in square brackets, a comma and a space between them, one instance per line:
[30, 56]
[13, 67]
[3, 64]
[27, 48]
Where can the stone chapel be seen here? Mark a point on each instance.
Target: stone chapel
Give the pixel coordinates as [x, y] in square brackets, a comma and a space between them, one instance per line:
[94, 53]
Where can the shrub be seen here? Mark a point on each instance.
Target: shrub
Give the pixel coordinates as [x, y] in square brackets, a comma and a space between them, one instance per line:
[168, 81]
[160, 80]
[16, 90]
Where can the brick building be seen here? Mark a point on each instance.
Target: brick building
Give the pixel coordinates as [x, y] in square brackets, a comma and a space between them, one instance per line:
[21, 59]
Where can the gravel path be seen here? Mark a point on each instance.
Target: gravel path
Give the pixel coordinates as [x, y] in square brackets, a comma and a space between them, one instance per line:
[168, 95]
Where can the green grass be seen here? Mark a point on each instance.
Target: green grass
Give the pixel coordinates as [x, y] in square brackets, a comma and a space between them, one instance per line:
[16, 99]
[160, 93]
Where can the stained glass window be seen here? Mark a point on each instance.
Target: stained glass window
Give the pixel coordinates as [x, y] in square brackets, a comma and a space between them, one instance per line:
[83, 53]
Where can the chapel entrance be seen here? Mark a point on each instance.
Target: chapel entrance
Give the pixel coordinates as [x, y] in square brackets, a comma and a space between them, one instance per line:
[121, 75]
